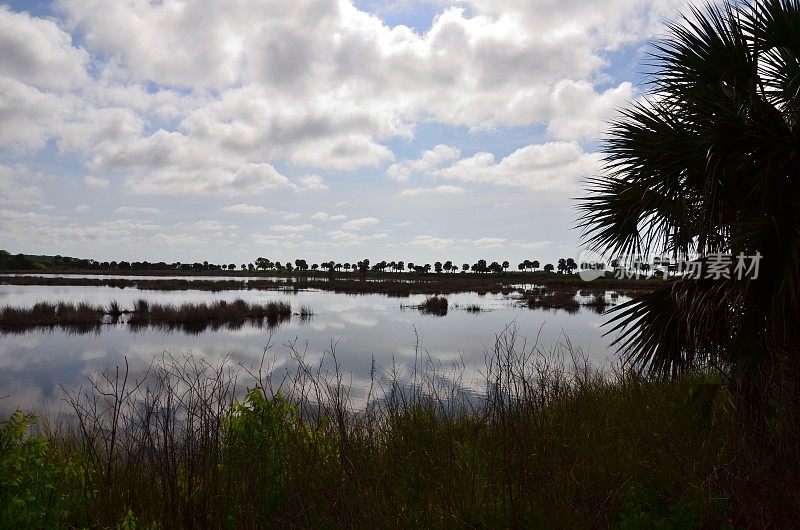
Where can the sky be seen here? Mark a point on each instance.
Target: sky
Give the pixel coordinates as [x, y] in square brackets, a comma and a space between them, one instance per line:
[192, 130]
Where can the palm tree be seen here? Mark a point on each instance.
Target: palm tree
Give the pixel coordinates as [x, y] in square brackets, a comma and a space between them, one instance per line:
[549, 267]
[535, 265]
[708, 163]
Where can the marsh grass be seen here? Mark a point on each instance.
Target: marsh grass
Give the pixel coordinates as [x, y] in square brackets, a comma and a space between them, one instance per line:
[550, 441]
[395, 285]
[434, 305]
[80, 317]
[188, 317]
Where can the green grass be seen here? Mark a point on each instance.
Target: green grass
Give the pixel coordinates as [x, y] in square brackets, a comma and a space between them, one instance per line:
[573, 448]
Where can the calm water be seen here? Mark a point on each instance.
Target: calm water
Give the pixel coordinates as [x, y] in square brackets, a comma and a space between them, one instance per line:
[34, 365]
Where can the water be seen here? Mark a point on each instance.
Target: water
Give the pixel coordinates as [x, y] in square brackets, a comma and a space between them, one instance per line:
[35, 365]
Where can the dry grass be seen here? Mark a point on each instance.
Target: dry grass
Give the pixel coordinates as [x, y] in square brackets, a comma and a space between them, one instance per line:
[552, 442]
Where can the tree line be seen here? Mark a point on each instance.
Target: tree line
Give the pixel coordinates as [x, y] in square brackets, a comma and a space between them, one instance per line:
[482, 266]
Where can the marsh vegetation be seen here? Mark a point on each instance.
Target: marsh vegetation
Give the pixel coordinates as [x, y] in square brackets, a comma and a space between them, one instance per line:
[188, 317]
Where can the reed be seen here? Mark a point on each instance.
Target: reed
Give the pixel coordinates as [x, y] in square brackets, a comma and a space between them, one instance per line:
[434, 305]
[188, 317]
[551, 441]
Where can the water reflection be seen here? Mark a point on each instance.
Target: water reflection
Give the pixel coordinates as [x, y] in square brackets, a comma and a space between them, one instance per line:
[363, 327]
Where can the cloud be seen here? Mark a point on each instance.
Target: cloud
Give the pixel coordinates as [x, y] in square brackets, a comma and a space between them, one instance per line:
[489, 242]
[431, 191]
[430, 160]
[553, 166]
[36, 51]
[245, 209]
[211, 225]
[342, 153]
[17, 188]
[95, 182]
[535, 245]
[83, 208]
[360, 224]
[432, 242]
[135, 211]
[261, 101]
[310, 183]
[292, 228]
[323, 216]
[349, 239]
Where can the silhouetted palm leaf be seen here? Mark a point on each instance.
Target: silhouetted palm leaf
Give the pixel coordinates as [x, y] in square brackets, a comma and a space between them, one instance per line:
[709, 161]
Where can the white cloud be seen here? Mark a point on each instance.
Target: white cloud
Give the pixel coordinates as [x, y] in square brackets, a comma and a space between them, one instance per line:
[535, 245]
[211, 225]
[17, 188]
[310, 183]
[430, 160]
[83, 208]
[432, 191]
[36, 51]
[341, 153]
[580, 113]
[360, 224]
[349, 239]
[238, 98]
[489, 242]
[95, 182]
[553, 166]
[432, 242]
[245, 209]
[291, 228]
[135, 211]
[323, 216]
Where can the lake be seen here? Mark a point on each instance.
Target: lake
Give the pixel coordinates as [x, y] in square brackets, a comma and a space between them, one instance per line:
[35, 364]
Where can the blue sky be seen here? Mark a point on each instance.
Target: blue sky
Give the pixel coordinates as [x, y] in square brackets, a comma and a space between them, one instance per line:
[324, 129]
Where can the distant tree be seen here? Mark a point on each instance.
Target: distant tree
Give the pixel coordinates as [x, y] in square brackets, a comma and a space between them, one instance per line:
[250, 266]
[465, 267]
[571, 265]
[549, 268]
[314, 267]
[224, 266]
[562, 266]
[410, 266]
[244, 266]
[534, 265]
[231, 266]
[438, 267]
[505, 265]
